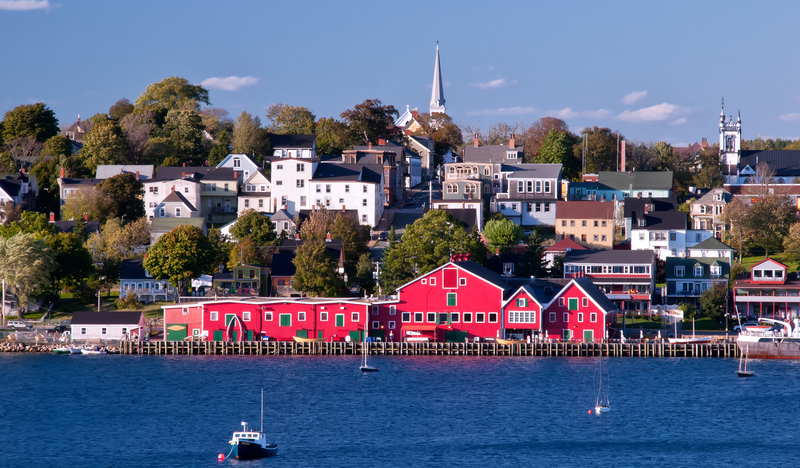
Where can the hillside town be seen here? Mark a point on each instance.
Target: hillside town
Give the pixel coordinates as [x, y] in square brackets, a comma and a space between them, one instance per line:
[385, 224]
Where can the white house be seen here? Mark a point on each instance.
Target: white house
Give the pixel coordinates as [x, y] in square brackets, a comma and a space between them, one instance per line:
[241, 163]
[256, 194]
[156, 190]
[666, 241]
[133, 279]
[350, 187]
[103, 327]
[290, 183]
[294, 146]
[176, 205]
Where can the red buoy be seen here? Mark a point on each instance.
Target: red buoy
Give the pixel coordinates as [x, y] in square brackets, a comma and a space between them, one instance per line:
[590, 411]
[221, 457]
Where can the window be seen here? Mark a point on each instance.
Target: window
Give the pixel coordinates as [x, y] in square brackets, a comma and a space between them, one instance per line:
[431, 317]
[546, 207]
[323, 316]
[213, 316]
[247, 203]
[520, 186]
[467, 317]
[561, 302]
[364, 218]
[595, 223]
[679, 271]
[522, 302]
[566, 317]
[301, 183]
[673, 236]
[492, 317]
[573, 303]
[432, 281]
[363, 202]
[580, 317]
[328, 188]
[546, 186]
[563, 223]
[602, 224]
[454, 317]
[480, 317]
[285, 320]
[177, 212]
[585, 302]
[162, 212]
[595, 238]
[103, 330]
[451, 299]
[552, 317]
[698, 270]
[262, 188]
[376, 324]
[593, 317]
[341, 201]
[301, 168]
[406, 317]
[511, 155]
[538, 186]
[603, 238]
[641, 236]
[418, 317]
[279, 167]
[319, 188]
[529, 186]
[302, 201]
[571, 223]
[339, 320]
[391, 324]
[364, 189]
[301, 316]
[452, 188]
[583, 223]
[354, 317]
[538, 207]
[462, 281]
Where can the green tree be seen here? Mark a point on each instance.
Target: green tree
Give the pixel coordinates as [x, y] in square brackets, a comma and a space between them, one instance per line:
[74, 262]
[502, 234]
[255, 226]
[180, 255]
[29, 222]
[222, 246]
[556, 270]
[770, 218]
[532, 262]
[104, 144]
[35, 120]
[354, 239]
[57, 146]
[557, 148]
[535, 135]
[221, 150]
[290, 120]
[114, 243]
[315, 270]
[735, 215]
[168, 94]
[710, 173]
[89, 200]
[373, 119]
[183, 133]
[712, 301]
[120, 109]
[245, 252]
[250, 138]
[602, 149]
[396, 268]
[26, 265]
[667, 157]
[127, 192]
[791, 243]
[333, 136]
[364, 274]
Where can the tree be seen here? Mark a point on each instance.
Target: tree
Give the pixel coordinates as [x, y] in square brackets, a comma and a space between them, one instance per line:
[183, 134]
[221, 245]
[710, 173]
[315, 270]
[735, 215]
[168, 94]
[104, 144]
[354, 240]
[319, 224]
[73, 262]
[90, 200]
[396, 268]
[556, 270]
[254, 226]
[557, 148]
[668, 159]
[245, 252]
[445, 134]
[35, 120]
[249, 137]
[770, 218]
[127, 192]
[57, 146]
[216, 120]
[120, 109]
[502, 234]
[538, 131]
[372, 119]
[26, 265]
[179, 255]
[290, 120]
[23, 150]
[221, 150]
[791, 243]
[364, 274]
[332, 136]
[114, 243]
[712, 301]
[602, 149]
[532, 262]
[29, 223]
[137, 130]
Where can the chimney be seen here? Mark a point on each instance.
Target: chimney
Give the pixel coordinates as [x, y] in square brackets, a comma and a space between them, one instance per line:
[622, 158]
[475, 141]
[297, 236]
[369, 145]
[184, 164]
[704, 143]
[52, 217]
[511, 142]
[236, 175]
[173, 188]
[343, 210]
[415, 114]
[328, 237]
[497, 251]
[85, 216]
[137, 175]
[407, 132]
[62, 172]
[285, 206]
[381, 142]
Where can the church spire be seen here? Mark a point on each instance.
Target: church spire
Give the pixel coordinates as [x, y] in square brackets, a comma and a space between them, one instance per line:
[437, 93]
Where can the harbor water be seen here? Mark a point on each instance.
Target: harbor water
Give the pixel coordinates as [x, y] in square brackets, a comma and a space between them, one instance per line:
[180, 411]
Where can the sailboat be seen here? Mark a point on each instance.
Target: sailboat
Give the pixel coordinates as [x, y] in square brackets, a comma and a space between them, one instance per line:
[364, 366]
[248, 444]
[601, 403]
[744, 371]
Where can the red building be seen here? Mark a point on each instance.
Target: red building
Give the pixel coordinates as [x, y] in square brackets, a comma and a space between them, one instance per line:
[182, 321]
[579, 312]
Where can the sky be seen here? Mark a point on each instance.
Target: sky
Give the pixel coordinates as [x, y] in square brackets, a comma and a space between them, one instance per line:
[655, 71]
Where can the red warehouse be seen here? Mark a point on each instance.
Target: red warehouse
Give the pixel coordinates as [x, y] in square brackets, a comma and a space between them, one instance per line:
[182, 321]
[579, 312]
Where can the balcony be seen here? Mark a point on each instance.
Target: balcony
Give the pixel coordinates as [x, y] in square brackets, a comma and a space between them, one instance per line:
[457, 176]
[223, 209]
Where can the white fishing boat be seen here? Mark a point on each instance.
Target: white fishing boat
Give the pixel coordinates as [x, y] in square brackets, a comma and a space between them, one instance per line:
[249, 444]
[94, 350]
[601, 403]
[780, 341]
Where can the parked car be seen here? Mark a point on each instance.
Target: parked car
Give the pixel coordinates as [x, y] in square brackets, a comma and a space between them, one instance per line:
[58, 329]
[19, 325]
[411, 201]
[383, 236]
[744, 326]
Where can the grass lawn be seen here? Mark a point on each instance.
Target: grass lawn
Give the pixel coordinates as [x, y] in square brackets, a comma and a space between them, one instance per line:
[751, 260]
[69, 303]
[705, 324]
[641, 322]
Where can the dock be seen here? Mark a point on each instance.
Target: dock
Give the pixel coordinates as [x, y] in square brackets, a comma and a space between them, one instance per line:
[722, 349]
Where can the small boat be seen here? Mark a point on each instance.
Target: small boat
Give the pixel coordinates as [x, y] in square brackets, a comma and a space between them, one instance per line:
[697, 340]
[509, 342]
[297, 339]
[601, 403]
[62, 350]
[364, 366]
[744, 371]
[75, 350]
[94, 350]
[249, 444]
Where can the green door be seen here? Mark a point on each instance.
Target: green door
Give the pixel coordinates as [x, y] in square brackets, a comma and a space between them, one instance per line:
[249, 335]
[566, 335]
[355, 336]
[301, 334]
[339, 320]
[588, 336]
[378, 334]
[217, 335]
[455, 336]
[319, 334]
[176, 332]
[235, 335]
[229, 318]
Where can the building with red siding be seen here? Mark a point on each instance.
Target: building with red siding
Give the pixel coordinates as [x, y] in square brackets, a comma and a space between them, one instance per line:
[182, 321]
[579, 312]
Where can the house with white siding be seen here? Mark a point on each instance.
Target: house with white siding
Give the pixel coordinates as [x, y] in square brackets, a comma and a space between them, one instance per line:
[103, 327]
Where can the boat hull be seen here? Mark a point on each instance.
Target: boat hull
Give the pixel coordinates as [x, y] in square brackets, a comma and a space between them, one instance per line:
[368, 369]
[251, 451]
[509, 342]
[771, 349]
[689, 340]
[297, 339]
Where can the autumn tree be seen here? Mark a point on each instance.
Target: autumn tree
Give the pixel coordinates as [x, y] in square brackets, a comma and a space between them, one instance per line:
[137, 130]
[127, 192]
[735, 215]
[791, 243]
[36, 120]
[29, 222]
[245, 252]
[180, 255]
[120, 109]
[26, 265]
[98, 205]
[371, 120]
[250, 138]
[537, 132]
[315, 270]
[116, 242]
[22, 151]
[446, 135]
[770, 219]
[216, 120]
[290, 120]
[104, 144]
[318, 224]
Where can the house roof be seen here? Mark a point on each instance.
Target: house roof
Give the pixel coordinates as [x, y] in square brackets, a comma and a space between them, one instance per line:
[195, 172]
[608, 257]
[712, 243]
[690, 262]
[84, 182]
[281, 215]
[584, 209]
[638, 180]
[709, 197]
[108, 171]
[292, 141]
[771, 260]
[237, 155]
[491, 153]
[564, 244]
[365, 173]
[167, 224]
[661, 221]
[177, 197]
[133, 269]
[467, 218]
[532, 171]
[784, 162]
[481, 271]
[106, 318]
[68, 226]
[635, 206]
[595, 294]
[282, 264]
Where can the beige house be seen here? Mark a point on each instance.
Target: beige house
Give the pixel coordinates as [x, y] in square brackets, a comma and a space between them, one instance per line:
[590, 223]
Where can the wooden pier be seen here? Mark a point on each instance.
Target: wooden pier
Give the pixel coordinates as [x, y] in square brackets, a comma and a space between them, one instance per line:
[724, 349]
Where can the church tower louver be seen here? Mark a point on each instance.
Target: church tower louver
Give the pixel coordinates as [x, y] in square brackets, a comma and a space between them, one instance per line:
[730, 142]
[437, 93]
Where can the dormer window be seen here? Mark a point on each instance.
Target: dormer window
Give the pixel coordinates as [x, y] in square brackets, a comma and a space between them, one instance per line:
[679, 271]
[641, 222]
[698, 271]
[511, 154]
[237, 162]
[716, 271]
[718, 197]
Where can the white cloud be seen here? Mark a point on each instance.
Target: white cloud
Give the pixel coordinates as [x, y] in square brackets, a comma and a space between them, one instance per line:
[568, 113]
[680, 121]
[503, 111]
[791, 117]
[24, 5]
[494, 84]
[655, 113]
[228, 83]
[631, 98]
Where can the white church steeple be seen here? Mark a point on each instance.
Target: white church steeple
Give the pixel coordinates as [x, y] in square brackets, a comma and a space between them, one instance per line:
[437, 93]
[730, 141]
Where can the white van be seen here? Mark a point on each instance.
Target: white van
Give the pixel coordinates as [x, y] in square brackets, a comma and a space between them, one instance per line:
[19, 325]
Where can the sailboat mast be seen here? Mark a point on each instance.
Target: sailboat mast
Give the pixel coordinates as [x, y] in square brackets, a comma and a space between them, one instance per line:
[262, 410]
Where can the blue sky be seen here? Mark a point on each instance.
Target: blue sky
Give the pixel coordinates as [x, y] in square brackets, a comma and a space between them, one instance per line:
[653, 70]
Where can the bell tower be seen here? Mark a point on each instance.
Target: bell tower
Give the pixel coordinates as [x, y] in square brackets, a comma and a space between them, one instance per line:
[730, 141]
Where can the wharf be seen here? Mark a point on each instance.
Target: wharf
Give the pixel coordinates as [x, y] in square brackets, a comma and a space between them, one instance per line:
[724, 349]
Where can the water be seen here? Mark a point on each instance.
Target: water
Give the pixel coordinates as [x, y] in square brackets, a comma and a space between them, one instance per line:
[165, 411]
